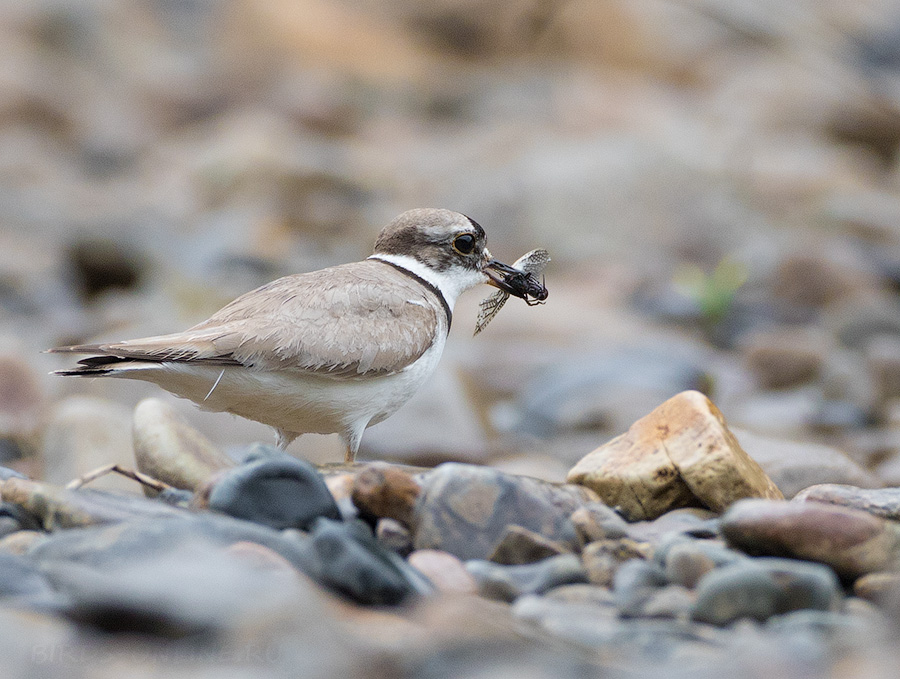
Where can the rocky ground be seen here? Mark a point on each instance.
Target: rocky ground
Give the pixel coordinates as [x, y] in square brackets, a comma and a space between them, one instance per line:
[717, 183]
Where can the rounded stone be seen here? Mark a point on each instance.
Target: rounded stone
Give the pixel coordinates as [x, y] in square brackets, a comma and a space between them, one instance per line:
[445, 571]
[760, 588]
[280, 492]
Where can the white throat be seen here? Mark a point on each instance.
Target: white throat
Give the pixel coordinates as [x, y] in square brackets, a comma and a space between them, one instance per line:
[451, 283]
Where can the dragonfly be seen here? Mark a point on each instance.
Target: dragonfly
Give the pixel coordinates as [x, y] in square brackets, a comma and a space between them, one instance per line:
[521, 275]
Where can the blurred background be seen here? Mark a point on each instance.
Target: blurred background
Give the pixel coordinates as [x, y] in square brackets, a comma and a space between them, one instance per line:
[716, 180]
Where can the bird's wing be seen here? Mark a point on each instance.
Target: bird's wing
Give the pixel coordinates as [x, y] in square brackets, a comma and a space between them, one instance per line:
[345, 321]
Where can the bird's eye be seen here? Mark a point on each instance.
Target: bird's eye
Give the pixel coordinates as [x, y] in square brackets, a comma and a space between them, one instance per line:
[464, 244]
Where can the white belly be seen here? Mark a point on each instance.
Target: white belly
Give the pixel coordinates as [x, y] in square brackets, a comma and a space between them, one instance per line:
[291, 401]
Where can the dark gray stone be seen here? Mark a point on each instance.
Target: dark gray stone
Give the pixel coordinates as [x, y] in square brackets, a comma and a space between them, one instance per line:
[278, 491]
[350, 561]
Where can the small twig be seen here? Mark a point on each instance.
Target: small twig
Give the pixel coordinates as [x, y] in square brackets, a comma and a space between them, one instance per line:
[143, 479]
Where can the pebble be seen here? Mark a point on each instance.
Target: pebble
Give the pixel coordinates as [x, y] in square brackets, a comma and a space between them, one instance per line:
[634, 583]
[507, 583]
[21, 541]
[882, 588]
[467, 510]
[385, 491]
[784, 357]
[882, 354]
[170, 450]
[701, 523]
[603, 558]
[794, 466]
[21, 577]
[394, 535]
[851, 541]
[444, 571]
[596, 521]
[521, 546]
[350, 561]
[279, 491]
[881, 502]
[763, 587]
[681, 454]
[687, 560]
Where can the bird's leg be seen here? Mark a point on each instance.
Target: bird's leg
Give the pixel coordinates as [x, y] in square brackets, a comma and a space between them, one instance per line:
[283, 438]
[349, 455]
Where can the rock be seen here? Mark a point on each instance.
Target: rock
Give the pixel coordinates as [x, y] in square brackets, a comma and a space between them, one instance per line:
[279, 491]
[693, 521]
[351, 562]
[196, 589]
[53, 507]
[851, 541]
[794, 466]
[671, 601]
[21, 541]
[883, 361]
[813, 279]
[20, 578]
[596, 521]
[687, 560]
[579, 593]
[882, 502]
[634, 584]
[21, 398]
[761, 588]
[394, 535]
[603, 558]
[881, 588]
[467, 510]
[170, 450]
[784, 357]
[443, 570]
[521, 546]
[13, 518]
[83, 434]
[385, 491]
[507, 583]
[681, 454]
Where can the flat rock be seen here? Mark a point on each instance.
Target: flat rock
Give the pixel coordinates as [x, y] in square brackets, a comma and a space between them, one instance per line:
[851, 541]
[467, 510]
[882, 502]
[794, 466]
[167, 448]
[596, 521]
[681, 454]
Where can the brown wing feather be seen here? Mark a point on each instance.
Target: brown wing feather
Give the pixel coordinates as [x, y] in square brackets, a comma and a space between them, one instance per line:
[344, 321]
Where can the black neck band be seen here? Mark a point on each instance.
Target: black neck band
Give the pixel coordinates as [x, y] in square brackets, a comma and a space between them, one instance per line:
[431, 286]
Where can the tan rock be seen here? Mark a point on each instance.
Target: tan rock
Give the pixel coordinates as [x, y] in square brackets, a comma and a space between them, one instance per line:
[172, 451]
[681, 454]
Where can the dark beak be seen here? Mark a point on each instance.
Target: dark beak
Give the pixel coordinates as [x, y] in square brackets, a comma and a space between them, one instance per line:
[515, 282]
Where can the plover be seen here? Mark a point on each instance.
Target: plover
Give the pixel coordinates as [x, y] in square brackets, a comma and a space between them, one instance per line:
[330, 351]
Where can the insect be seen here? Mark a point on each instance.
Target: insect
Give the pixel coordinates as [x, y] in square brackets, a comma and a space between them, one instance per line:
[522, 275]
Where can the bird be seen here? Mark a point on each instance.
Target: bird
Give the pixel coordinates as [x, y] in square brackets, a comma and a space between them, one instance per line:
[329, 351]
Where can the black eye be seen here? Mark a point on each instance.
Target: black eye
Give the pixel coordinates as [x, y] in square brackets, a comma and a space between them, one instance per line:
[464, 244]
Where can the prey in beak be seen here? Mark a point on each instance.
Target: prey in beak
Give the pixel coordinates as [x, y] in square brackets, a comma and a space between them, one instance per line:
[519, 280]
